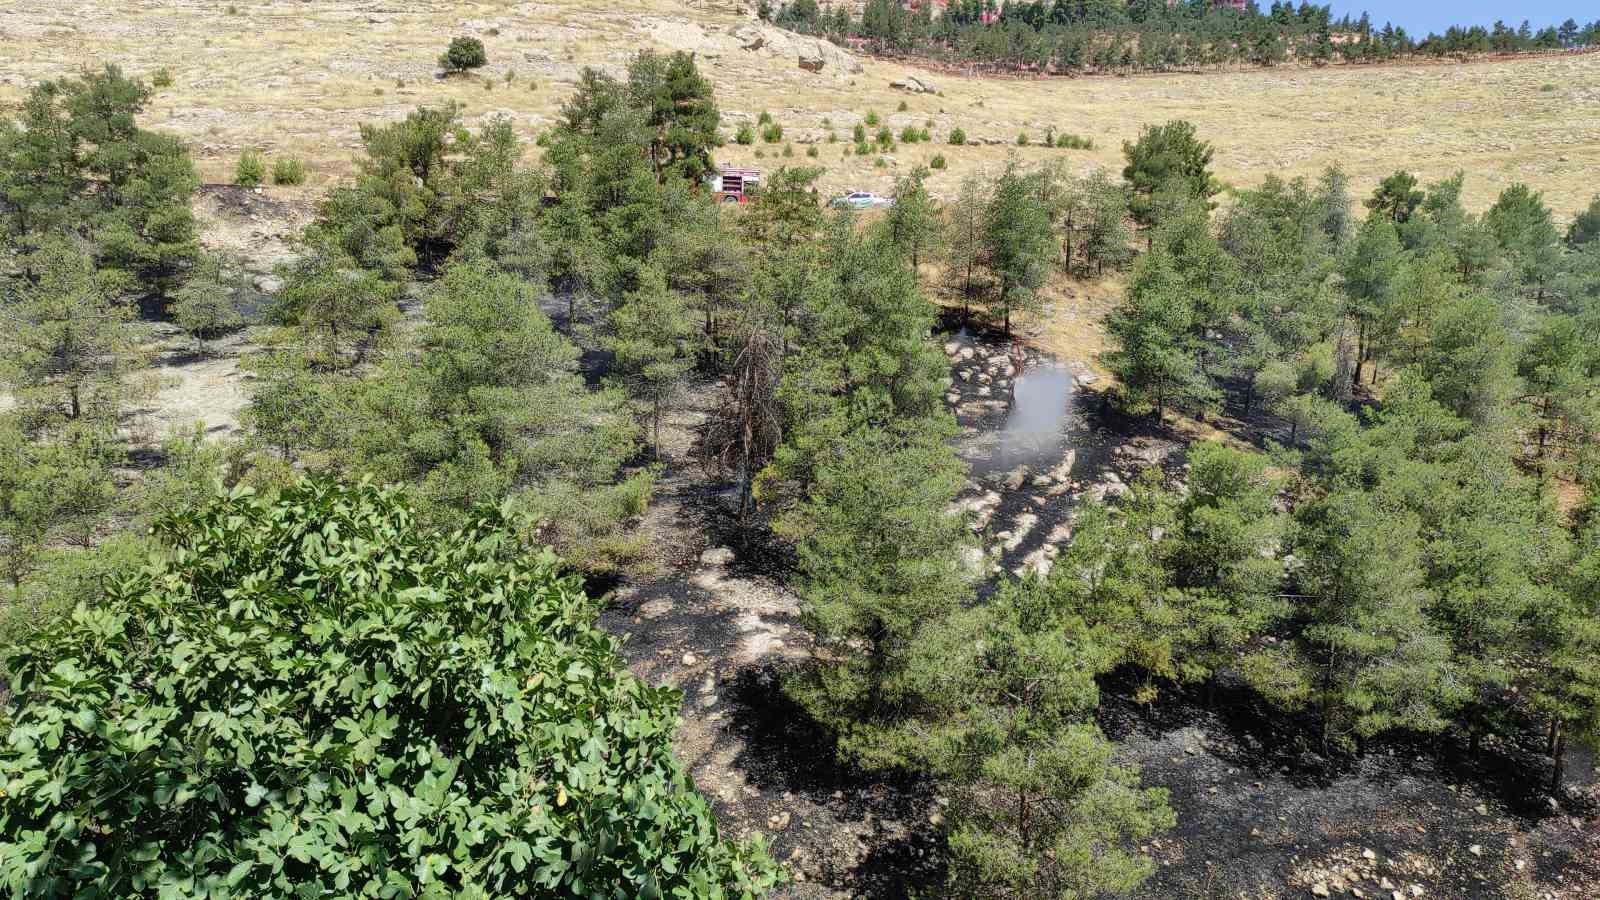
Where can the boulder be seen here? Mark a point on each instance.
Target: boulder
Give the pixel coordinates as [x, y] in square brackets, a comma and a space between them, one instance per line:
[913, 85]
[812, 62]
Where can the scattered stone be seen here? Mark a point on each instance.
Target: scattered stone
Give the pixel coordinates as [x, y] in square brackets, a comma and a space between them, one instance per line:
[1475, 850]
[717, 556]
[778, 822]
[1367, 854]
[690, 659]
[1320, 889]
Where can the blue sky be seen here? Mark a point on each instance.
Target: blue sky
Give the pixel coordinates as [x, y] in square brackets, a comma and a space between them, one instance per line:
[1422, 16]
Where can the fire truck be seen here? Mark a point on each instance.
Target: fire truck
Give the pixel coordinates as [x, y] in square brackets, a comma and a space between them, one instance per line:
[734, 185]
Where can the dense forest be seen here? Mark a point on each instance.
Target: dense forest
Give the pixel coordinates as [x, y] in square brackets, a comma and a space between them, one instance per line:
[244, 668]
[1058, 36]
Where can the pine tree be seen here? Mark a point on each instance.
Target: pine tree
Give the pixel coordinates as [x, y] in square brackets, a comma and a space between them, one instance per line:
[68, 346]
[914, 224]
[649, 338]
[1018, 242]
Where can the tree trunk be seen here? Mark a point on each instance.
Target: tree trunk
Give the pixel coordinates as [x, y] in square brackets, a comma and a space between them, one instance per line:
[1560, 755]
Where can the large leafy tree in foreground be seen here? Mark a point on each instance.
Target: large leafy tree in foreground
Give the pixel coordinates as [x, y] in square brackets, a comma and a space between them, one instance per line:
[312, 696]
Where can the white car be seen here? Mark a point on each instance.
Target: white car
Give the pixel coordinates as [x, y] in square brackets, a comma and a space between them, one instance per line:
[862, 200]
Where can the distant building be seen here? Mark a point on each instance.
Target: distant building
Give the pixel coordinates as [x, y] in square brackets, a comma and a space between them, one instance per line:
[1240, 5]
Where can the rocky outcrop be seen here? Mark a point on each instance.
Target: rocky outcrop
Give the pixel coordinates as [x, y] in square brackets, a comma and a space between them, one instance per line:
[911, 84]
[809, 53]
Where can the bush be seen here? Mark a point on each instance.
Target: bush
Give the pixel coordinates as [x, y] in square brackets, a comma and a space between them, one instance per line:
[464, 53]
[251, 169]
[902, 107]
[872, 119]
[313, 696]
[885, 137]
[1022, 139]
[1074, 142]
[833, 138]
[811, 151]
[863, 148]
[880, 163]
[859, 133]
[288, 172]
[764, 118]
[937, 162]
[958, 137]
[788, 150]
[772, 133]
[910, 135]
[925, 136]
[161, 78]
[746, 135]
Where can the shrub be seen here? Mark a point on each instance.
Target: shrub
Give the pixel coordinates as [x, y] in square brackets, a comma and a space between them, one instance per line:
[161, 78]
[788, 150]
[937, 162]
[463, 54]
[761, 154]
[859, 133]
[925, 136]
[1022, 139]
[833, 138]
[746, 135]
[764, 118]
[250, 170]
[772, 133]
[811, 151]
[880, 163]
[909, 135]
[313, 696]
[1074, 142]
[958, 137]
[863, 148]
[885, 137]
[872, 118]
[1547, 87]
[902, 107]
[289, 172]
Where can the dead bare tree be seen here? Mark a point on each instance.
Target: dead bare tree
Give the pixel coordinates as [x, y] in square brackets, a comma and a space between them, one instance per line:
[745, 429]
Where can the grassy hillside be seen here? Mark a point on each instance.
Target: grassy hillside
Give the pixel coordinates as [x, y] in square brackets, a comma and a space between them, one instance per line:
[295, 78]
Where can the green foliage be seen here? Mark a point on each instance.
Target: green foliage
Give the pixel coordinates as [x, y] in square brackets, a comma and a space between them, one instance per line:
[238, 711]
[958, 136]
[251, 169]
[650, 337]
[913, 222]
[937, 163]
[910, 135]
[76, 164]
[680, 113]
[71, 347]
[1040, 808]
[745, 136]
[52, 492]
[859, 134]
[772, 133]
[1585, 225]
[871, 119]
[1022, 139]
[1017, 240]
[464, 53]
[288, 172]
[205, 307]
[902, 107]
[1164, 156]
[161, 78]
[1396, 197]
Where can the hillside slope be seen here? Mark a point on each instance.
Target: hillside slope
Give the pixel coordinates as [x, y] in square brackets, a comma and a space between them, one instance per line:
[296, 77]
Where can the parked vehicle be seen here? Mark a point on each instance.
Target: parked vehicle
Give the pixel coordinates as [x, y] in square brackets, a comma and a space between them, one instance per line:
[862, 200]
[734, 185]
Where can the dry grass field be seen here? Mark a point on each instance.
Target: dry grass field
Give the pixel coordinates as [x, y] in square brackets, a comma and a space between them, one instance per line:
[295, 77]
